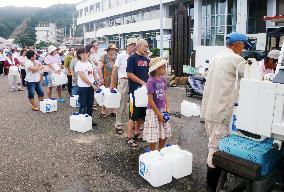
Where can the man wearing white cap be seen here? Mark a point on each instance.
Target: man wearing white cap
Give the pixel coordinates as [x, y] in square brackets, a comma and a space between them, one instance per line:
[54, 63]
[119, 71]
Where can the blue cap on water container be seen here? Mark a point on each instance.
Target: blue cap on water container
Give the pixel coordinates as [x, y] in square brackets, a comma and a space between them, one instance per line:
[113, 91]
[99, 90]
[166, 116]
[75, 113]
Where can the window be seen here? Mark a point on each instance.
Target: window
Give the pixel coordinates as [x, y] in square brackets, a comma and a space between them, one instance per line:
[98, 7]
[86, 11]
[113, 3]
[105, 5]
[214, 20]
[91, 9]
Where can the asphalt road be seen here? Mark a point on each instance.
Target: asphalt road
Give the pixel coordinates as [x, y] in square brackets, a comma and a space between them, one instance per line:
[38, 152]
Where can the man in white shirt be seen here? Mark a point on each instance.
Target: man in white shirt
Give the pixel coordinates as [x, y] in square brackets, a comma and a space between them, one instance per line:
[119, 71]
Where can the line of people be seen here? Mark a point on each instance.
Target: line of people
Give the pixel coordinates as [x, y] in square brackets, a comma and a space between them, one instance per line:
[87, 70]
[127, 72]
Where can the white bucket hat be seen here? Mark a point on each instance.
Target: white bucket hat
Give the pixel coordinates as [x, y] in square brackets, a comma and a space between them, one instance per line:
[274, 54]
[51, 48]
[155, 63]
[131, 41]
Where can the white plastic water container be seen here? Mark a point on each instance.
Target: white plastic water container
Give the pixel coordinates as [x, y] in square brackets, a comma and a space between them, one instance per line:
[99, 95]
[141, 97]
[189, 109]
[74, 101]
[80, 123]
[155, 168]
[59, 79]
[252, 70]
[181, 160]
[256, 106]
[53, 104]
[111, 98]
[48, 105]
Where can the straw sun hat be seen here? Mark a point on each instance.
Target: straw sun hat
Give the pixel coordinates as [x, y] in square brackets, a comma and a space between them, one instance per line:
[155, 63]
[111, 46]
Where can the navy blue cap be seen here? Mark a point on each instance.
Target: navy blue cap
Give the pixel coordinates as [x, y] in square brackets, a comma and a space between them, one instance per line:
[236, 36]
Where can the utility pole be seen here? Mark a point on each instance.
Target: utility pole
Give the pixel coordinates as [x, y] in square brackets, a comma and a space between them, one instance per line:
[161, 28]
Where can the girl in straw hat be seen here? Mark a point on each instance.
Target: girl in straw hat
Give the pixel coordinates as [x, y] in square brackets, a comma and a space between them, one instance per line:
[156, 129]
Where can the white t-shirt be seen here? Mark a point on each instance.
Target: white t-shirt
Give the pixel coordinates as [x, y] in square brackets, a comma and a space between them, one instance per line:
[121, 64]
[88, 69]
[13, 69]
[30, 76]
[54, 60]
[22, 59]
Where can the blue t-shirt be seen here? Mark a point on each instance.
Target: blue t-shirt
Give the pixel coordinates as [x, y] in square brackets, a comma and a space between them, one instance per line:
[139, 66]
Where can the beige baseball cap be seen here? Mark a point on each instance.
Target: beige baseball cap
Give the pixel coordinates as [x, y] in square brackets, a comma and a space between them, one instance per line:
[131, 41]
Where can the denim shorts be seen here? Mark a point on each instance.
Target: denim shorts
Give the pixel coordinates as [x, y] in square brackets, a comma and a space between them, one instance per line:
[32, 87]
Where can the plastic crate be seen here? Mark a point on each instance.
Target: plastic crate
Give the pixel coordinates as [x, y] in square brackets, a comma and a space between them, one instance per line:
[259, 152]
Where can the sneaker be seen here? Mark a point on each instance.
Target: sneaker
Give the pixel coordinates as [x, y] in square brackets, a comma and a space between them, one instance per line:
[61, 100]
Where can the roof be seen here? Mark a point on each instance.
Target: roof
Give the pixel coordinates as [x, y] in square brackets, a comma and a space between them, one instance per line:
[277, 19]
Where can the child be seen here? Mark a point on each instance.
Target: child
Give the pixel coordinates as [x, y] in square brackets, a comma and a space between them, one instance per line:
[155, 127]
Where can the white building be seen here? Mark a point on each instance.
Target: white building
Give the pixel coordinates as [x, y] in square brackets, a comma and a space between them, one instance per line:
[116, 20]
[48, 32]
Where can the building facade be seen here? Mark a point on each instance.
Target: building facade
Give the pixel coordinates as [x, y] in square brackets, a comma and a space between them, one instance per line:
[116, 20]
[48, 32]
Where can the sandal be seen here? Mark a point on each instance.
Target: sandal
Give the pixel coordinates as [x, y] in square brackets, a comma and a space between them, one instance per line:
[35, 108]
[119, 131]
[137, 138]
[132, 143]
[103, 115]
[113, 114]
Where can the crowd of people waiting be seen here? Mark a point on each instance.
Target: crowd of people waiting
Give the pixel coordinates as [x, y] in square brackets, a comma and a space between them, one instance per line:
[87, 69]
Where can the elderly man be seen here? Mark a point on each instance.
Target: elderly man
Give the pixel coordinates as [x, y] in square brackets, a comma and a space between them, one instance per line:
[220, 95]
[119, 71]
[137, 72]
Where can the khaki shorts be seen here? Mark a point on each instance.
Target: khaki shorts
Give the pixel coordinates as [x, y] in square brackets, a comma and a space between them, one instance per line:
[215, 132]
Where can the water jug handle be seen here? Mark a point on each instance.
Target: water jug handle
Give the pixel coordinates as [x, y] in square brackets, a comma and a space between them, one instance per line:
[86, 115]
[113, 91]
[168, 145]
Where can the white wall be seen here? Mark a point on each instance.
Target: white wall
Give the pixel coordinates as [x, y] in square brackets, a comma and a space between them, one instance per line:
[204, 53]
